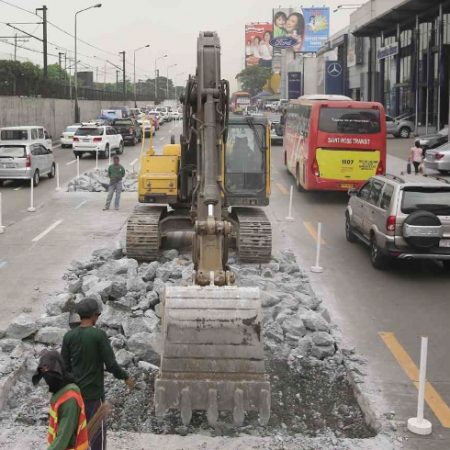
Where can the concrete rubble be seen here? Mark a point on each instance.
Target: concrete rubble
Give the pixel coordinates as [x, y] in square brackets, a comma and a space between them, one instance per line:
[97, 181]
[311, 394]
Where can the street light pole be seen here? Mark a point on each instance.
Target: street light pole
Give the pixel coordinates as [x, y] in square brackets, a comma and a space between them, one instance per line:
[77, 111]
[134, 71]
[156, 76]
[124, 88]
[167, 80]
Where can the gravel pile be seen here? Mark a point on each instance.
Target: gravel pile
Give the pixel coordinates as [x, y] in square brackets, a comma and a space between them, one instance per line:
[98, 181]
[310, 391]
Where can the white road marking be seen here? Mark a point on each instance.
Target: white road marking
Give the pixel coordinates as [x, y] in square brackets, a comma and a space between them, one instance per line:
[2, 264]
[161, 138]
[132, 163]
[17, 188]
[81, 204]
[45, 232]
[71, 162]
[56, 146]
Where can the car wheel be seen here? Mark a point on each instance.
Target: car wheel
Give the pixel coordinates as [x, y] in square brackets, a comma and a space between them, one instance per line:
[77, 154]
[405, 132]
[52, 172]
[444, 172]
[105, 153]
[36, 178]
[446, 265]
[378, 258]
[349, 234]
[120, 149]
[135, 140]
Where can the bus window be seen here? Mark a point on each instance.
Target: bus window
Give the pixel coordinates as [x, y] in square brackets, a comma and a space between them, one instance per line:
[244, 159]
[349, 121]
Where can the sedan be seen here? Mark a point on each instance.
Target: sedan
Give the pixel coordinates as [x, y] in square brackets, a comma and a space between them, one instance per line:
[438, 159]
[433, 140]
[67, 135]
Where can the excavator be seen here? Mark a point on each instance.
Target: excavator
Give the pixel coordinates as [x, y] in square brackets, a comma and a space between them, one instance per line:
[211, 186]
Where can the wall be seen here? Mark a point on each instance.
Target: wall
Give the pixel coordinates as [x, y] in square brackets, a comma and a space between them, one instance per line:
[53, 114]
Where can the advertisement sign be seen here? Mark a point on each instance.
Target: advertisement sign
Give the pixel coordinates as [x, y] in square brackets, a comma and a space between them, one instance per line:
[289, 24]
[333, 77]
[388, 51]
[294, 85]
[258, 50]
[317, 28]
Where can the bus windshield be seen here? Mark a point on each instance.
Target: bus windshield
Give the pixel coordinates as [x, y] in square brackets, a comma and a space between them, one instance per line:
[244, 159]
[349, 120]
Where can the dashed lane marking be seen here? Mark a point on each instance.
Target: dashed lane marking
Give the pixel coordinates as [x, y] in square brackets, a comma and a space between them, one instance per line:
[81, 204]
[132, 163]
[312, 230]
[161, 138]
[2, 264]
[71, 162]
[282, 188]
[45, 232]
[432, 397]
[17, 188]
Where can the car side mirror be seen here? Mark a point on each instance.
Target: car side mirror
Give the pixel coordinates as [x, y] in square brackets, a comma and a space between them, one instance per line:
[352, 192]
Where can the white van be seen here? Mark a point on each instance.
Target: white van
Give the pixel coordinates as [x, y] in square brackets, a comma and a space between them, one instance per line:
[26, 135]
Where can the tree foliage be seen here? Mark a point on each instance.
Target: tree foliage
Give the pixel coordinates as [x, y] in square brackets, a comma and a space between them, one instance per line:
[253, 78]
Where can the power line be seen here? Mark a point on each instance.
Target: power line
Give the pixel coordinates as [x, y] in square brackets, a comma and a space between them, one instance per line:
[18, 7]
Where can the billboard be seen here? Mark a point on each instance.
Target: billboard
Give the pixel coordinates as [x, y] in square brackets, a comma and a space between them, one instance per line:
[258, 50]
[305, 30]
[317, 28]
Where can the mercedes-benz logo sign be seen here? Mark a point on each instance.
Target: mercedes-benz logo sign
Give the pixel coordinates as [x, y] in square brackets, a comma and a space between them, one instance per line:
[334, 69]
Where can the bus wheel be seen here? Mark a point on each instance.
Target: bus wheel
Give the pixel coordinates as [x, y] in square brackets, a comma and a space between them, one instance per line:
[285, 158]
[297, 179]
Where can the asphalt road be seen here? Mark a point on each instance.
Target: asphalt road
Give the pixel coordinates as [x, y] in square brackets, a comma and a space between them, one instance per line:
[375, 310]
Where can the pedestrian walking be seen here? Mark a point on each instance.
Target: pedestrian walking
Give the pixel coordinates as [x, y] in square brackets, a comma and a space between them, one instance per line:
[116, 172]
[87, 352]
[416, 157]
[67, 428]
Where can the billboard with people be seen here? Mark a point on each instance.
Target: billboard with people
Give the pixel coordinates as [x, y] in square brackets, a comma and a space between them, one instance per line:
[303, 30]
[258, 50]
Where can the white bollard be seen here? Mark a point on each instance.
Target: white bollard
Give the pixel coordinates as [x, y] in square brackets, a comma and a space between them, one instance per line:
[96, 160]
[289, 217]
[78, 167]
[2, 228]
[109, 158]
[317, 268]
[31, 208]
[58, 187]
[419, 425]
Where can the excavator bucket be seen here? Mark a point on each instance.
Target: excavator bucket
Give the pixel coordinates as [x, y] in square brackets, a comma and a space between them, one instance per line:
[212, 354]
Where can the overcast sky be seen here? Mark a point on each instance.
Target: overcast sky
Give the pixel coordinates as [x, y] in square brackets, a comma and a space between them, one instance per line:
[170, 27]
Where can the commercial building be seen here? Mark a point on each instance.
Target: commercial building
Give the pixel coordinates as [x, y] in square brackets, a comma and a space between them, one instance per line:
[396, 52]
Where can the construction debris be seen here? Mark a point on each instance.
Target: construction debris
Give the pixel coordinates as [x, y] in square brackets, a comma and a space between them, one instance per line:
[98, 181]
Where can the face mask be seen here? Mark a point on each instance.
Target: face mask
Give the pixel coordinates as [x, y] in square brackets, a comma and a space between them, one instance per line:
[54, 381]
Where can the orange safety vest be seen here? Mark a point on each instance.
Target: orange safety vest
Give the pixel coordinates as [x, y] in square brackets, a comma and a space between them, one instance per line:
[82, 439]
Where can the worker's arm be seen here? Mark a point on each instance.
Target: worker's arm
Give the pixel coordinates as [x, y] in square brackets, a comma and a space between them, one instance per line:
[122, 171]
[109, 358]
[68, 415]
[65, 353]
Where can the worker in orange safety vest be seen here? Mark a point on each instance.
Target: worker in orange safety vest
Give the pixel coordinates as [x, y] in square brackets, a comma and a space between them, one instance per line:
[67, 419]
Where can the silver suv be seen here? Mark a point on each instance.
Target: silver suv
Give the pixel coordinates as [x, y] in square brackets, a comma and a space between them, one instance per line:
[401, 218]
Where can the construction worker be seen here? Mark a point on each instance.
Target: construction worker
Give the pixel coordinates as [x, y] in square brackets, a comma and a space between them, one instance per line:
[116, 172]
[86, 352]
[67, 420]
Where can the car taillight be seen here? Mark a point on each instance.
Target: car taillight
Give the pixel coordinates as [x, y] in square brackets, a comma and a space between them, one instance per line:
[28, 161]
[75, 139]
[315, 168]
[390, 223]
[97, 139]
[380, 168]
[439, 156]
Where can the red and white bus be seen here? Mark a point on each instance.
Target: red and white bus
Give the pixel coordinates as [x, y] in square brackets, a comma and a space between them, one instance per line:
[238, 102]
[333, 142]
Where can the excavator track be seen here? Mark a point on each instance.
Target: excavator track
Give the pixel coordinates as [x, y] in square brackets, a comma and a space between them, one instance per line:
[143, 235]
[254, 235]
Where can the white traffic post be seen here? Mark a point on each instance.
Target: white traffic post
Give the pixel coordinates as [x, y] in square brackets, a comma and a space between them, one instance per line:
[317, 268]
[78, 167]
[96, 160]
[289, 217]
[58, 187]
[2, 228]
[31, 208]
[109, 158]
[419, 425]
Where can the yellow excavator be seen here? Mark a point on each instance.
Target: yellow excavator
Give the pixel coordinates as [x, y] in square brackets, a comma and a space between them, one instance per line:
[210, 185]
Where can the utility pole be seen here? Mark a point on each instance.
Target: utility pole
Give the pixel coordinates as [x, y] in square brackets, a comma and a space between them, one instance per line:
[124, 87]
[44, 37]
[15, 47]
[117, 80]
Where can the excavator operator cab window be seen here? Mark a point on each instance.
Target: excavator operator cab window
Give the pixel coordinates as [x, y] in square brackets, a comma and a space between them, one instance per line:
[245, 159]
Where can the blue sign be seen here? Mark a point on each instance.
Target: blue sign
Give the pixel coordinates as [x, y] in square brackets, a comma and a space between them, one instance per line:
[283, 42]
[334, 75]
[294, 85]
[317, 28]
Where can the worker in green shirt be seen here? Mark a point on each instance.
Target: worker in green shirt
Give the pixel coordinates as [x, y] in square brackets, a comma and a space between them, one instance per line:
[67, 427]
[87, 352]
[116, 172]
